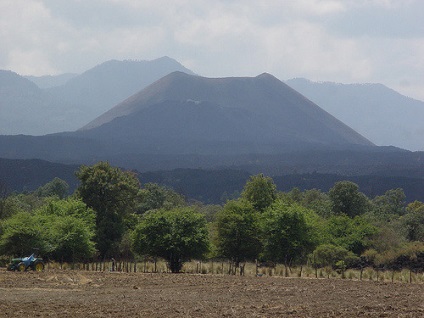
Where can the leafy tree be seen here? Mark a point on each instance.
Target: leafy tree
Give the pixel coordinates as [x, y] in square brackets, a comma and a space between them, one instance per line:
[386, 238]
[346, 198]
[317, 201]
[176, 235]
[389, 206]
[412, 223]
[69, 227]
[24, 202]
[260, 191]
[70, 239]
[61, 229]
[4, 211]
[56, 187]
[68, 207]
[126, 246]
[210, 211]
[20, 234]
[238, 232]
[352, 234]
[293, 196]
[410, 255]
[112, 193]
[287, 236]
[9, 206]
[154, 196]
[331, 255]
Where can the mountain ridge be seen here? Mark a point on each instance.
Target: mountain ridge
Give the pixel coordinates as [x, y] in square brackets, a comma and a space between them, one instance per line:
[67, 107]
[274, 113]
[380, 113]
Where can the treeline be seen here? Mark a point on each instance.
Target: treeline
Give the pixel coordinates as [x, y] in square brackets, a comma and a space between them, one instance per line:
[111, 216]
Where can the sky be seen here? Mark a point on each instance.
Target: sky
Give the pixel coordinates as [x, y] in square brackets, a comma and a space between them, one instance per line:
[345, 41]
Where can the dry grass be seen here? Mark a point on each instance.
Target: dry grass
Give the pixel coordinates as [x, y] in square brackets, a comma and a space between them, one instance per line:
[225, 268]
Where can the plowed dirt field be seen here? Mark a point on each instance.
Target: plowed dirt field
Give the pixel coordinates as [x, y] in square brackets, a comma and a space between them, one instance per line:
[104, 294]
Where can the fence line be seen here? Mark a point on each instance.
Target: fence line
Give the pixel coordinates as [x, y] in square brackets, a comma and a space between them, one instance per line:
[224, 267]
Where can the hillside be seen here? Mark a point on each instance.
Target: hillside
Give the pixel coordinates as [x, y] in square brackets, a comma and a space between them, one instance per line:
[102, 87]
[49, 81]
[215, 186]
[67, 102]
[205, 185]
[252, 124]
[22, 105]
[28, 175]
[375, 111]
[187, 114]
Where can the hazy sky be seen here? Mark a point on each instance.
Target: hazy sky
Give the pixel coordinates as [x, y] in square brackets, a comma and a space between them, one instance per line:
[345, 41]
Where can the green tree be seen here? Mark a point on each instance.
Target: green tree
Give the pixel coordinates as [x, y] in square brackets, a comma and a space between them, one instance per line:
[4, 193]
[9, 206]
[68, 207]
[61, 230]
[328, 255]
[346, 198]
[387, 237]
[27, 202]
[317, 201]
[56, 187]
[260, 191]
[389, 206]
[69, 239]
[153, 196]
[112, 193]
[287, 235]
[20, 234]
[412, 223]
[238, 232]
[210, 211]
[410, 255]
[69, 227]
[176, 235]
[352, 234]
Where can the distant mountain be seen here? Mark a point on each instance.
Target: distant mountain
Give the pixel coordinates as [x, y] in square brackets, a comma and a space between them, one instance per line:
[254, 124]
[375, 111]
[186, 121]
[48, 81]
[187, 114]
[97, 90]
[22, 105]
[27, 109]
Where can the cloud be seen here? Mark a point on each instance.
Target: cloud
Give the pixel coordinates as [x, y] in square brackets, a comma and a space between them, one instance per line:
[346, 41]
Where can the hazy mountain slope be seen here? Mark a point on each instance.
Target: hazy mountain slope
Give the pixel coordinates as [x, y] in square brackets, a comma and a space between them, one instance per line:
[48, 81]
[102, 87]
[382, 115]
[259, 114]
[22, 105]
[27, 109]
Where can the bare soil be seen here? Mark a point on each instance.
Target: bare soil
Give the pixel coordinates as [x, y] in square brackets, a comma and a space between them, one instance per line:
[55, 293]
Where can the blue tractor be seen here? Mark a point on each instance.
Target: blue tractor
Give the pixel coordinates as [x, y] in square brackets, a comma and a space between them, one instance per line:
[23, 264]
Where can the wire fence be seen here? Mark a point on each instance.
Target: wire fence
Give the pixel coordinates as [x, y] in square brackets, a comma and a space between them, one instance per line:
[224, 267]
